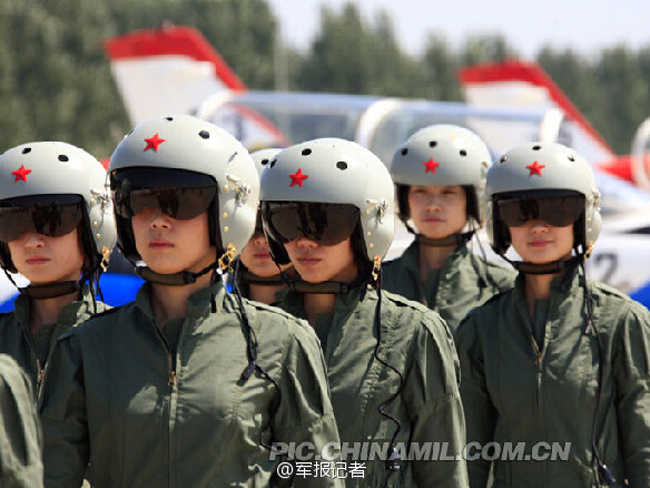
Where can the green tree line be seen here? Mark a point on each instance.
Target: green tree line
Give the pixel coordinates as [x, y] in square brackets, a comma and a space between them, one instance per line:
[55, 81]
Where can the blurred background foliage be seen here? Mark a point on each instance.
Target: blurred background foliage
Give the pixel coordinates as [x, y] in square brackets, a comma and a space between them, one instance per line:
[55, 81]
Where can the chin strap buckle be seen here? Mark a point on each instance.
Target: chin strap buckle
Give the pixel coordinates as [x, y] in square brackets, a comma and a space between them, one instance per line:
[227, 258]
[106, 255]
[376, 267]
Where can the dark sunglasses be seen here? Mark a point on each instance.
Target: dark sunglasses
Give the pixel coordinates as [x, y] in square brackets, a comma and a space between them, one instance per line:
[177, 203]
[558, 211]
[326, 223]
[178, 194]
[49, 215]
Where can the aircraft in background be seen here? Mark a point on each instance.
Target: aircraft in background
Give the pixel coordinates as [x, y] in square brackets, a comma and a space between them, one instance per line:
[174, 70]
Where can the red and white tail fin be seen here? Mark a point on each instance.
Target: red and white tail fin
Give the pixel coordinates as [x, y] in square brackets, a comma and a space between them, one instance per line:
[174, 70]
[171, 70]
[519, 84]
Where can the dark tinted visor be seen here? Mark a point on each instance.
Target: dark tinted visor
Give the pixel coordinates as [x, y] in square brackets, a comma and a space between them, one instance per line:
[325, 223]
[556, 210]
[49, 215]
[180, 194]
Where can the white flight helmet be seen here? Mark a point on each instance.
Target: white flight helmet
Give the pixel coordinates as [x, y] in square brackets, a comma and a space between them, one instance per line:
[58, 168]
[263, 156]
[195, 147]
[331, 170]
[442, 155]
[542, 166]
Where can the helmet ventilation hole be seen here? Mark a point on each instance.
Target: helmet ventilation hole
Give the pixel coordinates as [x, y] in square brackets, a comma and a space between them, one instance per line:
[537, 148]
[463, 152]
[342, 165]
[27, 150]
[503, 159]
[571, 158]
[272, 163]
[264, 161]
[405, 151]
[169, 119]
[231, 158]
[63, 158]
[306, 152]
[433, 143]
[204, 134]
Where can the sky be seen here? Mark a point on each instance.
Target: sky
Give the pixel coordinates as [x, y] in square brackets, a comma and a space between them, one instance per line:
[586, 26]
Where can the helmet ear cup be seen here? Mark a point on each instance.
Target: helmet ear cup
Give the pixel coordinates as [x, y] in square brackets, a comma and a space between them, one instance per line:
[500, 238]
[278, 251]
[213, 227]
[472, 206]
[5, 258]
[125, 238]
[404, 212]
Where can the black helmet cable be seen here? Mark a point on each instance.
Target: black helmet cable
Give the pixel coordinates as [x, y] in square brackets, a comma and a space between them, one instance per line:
[251, 353]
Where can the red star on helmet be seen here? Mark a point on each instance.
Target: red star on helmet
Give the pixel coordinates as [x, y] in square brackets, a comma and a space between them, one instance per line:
[535, 168]
[431, 166]
[297, 178]
[153, 142]
[21, 173]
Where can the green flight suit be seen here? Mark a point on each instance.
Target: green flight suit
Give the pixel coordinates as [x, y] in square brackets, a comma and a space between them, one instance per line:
[117, 396]
[417, 342]
[516, 390]
[20, 435]
[465, 281]
[31, 353]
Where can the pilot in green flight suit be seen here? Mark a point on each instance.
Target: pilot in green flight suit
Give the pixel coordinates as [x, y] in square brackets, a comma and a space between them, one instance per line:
[328, 208]
[439, 174]
[57, 230]
[559, 361]
[20, 436]
[188, 386]
[255, 272]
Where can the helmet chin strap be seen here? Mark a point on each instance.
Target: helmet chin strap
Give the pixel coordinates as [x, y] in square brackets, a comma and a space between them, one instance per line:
[183, 278]
[546, 268]
[450, 240]
[173, 279]
[50, 290]
[329, 287]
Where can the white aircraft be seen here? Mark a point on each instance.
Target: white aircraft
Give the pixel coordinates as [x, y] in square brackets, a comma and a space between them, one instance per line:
[175, 70]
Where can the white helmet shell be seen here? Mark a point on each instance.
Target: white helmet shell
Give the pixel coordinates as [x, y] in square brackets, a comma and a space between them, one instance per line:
[53, 168]
[331, 170]
[545, 166]
[188, 143]
[262, 157]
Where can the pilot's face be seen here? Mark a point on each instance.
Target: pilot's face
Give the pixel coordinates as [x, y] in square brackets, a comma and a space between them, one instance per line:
[438, 211]
[539, 242]
[170, 245]
[317, 263]
[257, 257]
[45, 259]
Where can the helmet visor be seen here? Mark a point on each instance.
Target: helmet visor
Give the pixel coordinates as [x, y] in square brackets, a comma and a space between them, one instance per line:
[325, 223]
[178, 194]
[557, 211]
[49, 215]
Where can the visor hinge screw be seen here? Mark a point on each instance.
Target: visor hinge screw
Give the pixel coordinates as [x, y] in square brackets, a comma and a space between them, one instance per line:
[380, 205]
[243, 189]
